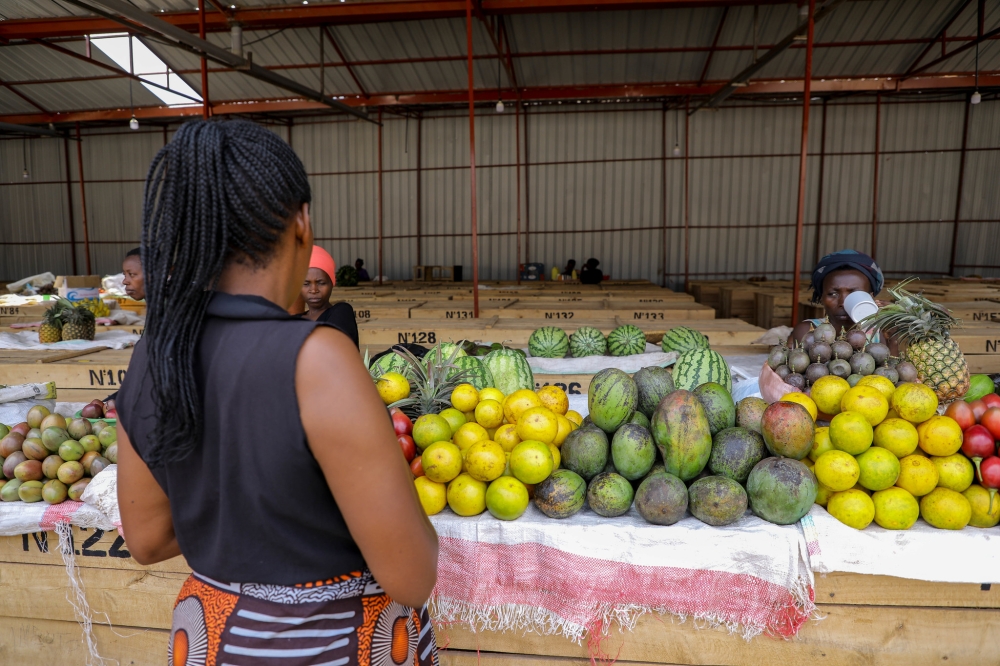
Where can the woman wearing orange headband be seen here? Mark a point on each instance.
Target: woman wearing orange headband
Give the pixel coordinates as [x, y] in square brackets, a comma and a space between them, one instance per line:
[316, 291]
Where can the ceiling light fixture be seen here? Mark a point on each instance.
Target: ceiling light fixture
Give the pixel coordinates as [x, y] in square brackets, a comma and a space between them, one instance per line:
[976, 97]
[499, 106]
[133, 124]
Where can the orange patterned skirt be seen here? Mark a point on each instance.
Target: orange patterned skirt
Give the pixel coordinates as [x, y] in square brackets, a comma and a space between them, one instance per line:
[342, 622]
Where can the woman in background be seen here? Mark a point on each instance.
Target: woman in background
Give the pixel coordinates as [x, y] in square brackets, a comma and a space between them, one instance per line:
[316, 292]
[253, 442]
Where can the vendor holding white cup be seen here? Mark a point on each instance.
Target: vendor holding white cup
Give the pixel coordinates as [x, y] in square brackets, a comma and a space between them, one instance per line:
[834, 279]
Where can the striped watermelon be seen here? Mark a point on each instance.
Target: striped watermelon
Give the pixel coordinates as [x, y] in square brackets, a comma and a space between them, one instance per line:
[626, 340]
[391, 362]
[477, 374]
[682, 339]
[510, 370]
[548, 342]
[587, 341]
[698, 366]
[447, 348]
[611, 399]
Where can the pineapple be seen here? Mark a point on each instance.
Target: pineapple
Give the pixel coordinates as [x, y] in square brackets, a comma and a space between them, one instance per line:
[78, 324]
[430, 381]
[924, 328]
[51, 329]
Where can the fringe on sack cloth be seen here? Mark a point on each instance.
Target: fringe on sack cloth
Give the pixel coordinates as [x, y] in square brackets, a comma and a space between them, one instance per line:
[77, 597]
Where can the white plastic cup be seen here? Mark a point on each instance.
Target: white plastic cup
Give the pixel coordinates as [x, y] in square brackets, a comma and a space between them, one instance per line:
[860, 304]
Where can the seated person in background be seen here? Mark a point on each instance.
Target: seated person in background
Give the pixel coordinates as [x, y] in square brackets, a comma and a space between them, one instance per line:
[591, 274]
[362, 273]
[836, 276]
[570, 268]
[135, 286]
[316, 292]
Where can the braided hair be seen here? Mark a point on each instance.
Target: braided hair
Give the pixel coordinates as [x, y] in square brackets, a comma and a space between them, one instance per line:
[219, 192]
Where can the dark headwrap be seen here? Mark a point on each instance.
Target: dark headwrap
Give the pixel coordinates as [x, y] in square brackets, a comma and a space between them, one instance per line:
[846, 259]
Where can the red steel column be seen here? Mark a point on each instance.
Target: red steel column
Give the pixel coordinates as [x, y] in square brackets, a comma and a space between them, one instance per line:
[204, 63]
[472, 163]
[819, 195]
[420, 122]
[83, 197]
[380, 272]
[527, 191]
[800, 216]
[878, 142]
[517, 161]
[687, 192]
[69, 202]
[958, 195]
[663, 188]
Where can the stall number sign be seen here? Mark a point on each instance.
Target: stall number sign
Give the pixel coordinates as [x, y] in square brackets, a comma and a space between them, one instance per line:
[572, 388]
[559, 315]
[650, 300]
[10, 310]
[458, 314]
[416, 337]
[95, 545]
[984, 315]
[362, 314]
[647, 315]
[107, 377]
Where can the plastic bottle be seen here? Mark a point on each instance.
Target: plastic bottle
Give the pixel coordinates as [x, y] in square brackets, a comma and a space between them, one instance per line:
[555, 273]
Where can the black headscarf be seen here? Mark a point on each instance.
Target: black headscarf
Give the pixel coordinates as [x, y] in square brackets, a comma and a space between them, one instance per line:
[846, 259]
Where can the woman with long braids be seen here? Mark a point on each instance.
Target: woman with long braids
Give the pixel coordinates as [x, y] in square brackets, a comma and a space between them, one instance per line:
[253, 442]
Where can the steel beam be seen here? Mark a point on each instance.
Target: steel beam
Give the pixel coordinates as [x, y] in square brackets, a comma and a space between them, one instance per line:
[958, 195]
[687, 193]
[380, 271]
[11, 128]
[69, 205]
[715, 44]
[961, 49]
[205, 111]
[20, 94]
[343, 59]
[878, 147]
[939, 35]
[743, 77]
[801, 213]
[472, 161]
[819, 192]
[83, 198]
[130, 17]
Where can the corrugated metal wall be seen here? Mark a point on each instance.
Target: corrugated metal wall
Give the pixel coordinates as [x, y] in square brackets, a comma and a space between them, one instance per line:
[596, 180]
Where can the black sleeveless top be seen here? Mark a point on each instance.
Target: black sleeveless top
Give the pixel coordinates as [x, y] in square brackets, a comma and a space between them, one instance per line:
[250, 504]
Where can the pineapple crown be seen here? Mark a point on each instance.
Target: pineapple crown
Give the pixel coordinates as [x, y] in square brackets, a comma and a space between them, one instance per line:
[912, 317]
[432, 379]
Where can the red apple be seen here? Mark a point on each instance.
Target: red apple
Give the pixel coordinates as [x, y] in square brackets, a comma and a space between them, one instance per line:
[977, 443]
[401, 423]
[991, 420]
[962, 414]
[990, 477]
[417, 466]
[408, 446]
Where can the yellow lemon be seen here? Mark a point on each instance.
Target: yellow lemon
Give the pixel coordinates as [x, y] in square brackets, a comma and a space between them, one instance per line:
[853, 508]
[939, 436]
[507, 498]
[556, 456]
[917, 475]
[823, 494]
[827, 392]
[469, 434]
[442, 461]
[979, 501]
[489, 414]
[430, 428]
[955, 472]
[467, 496]
[531, 462]
[851, 432]
[519, 402]
[574, 417]
[896, 435]
[895, 509]
[837, 470]
[490, 393]
[392, 386]
[455, 418]
[538, 423]
[867, 401]
[506, 437]
[945, 509]
[485, 460]
[821, 443]
[879, 469]
[564, 428]
[883, 384]
[554, 398]
[914, 402]
[802, 399]
[432, 495]
[465, 397]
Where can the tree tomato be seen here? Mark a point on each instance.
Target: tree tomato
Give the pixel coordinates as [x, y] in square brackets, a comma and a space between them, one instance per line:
[991, 400]
[962, 414]
[408, 446]
[417, 466]
[401, 423]
[978, 408]
[991, 419]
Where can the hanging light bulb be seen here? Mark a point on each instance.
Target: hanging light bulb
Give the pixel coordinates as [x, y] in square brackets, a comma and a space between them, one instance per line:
[677, 150]
[133, 124]
[976, 98]
[24, 174]
[499, 106]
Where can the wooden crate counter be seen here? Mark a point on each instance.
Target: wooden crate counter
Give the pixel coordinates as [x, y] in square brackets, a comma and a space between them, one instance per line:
[628, 311]
[866, 619]
[77, 379]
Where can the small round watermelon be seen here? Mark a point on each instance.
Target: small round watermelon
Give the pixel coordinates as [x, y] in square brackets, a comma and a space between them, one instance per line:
[611, 399]
[683, 339]
[587, 341]
[699, 366]
[626, 340]
[548, 342]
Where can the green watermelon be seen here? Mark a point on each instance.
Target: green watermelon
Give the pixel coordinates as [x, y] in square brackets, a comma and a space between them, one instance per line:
[683, 339]
[391, 362]
[698, 366]
[447, 348]
[611, 399]
[510, 370]
[626, 340]
[548, 342]
[477, 374]
[587, 341]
